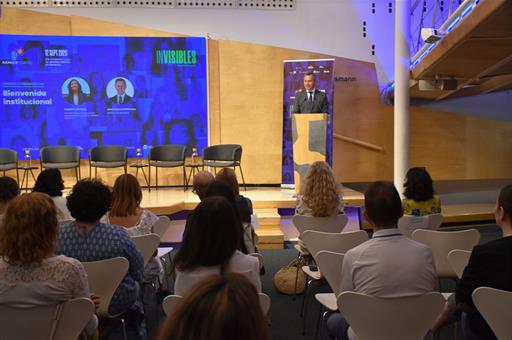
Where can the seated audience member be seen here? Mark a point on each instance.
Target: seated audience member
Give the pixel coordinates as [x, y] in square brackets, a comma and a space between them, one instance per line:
[201, 182]
[244, 204]
[320, 195]
[30, 272]
[210, 246]
[489, 266]
[9, 189]
[50, 182]
[219, 307]
[419, 194]
[86, 239]
[244, 207]
[390, 264]
[248, 241]
[126, 210]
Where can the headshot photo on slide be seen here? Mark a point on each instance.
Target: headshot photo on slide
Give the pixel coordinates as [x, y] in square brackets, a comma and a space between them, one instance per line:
[75, 90]
[120, 90]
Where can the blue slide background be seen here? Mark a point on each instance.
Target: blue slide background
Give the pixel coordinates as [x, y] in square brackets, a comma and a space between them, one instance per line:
[167, 104]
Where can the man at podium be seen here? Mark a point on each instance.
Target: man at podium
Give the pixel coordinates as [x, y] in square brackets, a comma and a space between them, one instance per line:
[310, 100]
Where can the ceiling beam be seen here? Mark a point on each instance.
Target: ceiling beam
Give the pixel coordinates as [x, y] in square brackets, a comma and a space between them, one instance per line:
[482, 74]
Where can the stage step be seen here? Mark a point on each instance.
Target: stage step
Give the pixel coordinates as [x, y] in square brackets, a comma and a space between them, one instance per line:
[269, 231]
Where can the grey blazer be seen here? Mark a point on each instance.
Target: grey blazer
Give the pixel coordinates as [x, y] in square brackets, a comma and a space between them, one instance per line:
[302, 105]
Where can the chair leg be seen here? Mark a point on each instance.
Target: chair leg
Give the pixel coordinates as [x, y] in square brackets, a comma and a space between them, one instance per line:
[156, 169]
[305, 299]
[243, 180]
[125, 337]
[95, 172]
[76, 173]
[185, 184]
[149, 176]
[17, 175]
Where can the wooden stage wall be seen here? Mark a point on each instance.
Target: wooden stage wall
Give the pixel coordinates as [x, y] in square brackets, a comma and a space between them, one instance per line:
[246, 104]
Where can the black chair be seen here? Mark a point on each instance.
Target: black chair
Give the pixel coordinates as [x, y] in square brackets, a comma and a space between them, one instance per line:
[9, 161]
[167, 156]
[107, 156]
[61, 157]
[224, 156]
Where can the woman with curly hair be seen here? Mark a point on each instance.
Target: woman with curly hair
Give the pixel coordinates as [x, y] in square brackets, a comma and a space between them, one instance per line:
[30, 272]
[320, 195]
[419, 194]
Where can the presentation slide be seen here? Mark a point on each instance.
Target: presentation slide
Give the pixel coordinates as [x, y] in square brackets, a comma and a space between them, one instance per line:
[88, 91]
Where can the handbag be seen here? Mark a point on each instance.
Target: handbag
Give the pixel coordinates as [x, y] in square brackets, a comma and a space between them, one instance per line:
[291, 279]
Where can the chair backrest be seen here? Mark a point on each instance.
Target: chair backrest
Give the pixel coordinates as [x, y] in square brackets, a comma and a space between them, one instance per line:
[104, 277]
[167, 152]
[161, 225]
[458, 260]
[60, 154]
[57, 322]
[442, 242]
[330, 224]
[406, 318]
[494, 305]
[317, 241]
[108, 153]
[330, 265]
[169, 303]
[147, 245]
[8, 156]
[408, 223]
[264, 302]
[223, 152]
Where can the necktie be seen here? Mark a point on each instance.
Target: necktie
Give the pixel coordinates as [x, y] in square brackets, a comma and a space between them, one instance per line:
[310, 96]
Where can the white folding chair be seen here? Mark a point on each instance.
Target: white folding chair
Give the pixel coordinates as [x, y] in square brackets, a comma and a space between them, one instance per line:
[104, 277]
[330, 263]
[494, 305]
[317, 241]
[404, 318]
[55, 322]
[147, 245]
[408, 223]
[169, 303]
[264, 302]
[330, 224]
[458, 260]
[442, 242]
[161, 225]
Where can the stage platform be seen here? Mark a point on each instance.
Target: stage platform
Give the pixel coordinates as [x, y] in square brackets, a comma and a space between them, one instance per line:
[274, 230]
[167, 201]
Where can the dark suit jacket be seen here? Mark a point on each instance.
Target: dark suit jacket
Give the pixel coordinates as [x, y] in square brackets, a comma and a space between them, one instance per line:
[81, 98]
[302, 105]
[490, 265]
[126, 99]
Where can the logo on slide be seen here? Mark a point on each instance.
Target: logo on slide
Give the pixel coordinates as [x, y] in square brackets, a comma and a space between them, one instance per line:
[176, 57]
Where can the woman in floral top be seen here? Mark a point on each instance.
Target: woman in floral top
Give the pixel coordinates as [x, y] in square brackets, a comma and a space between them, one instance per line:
[419, 194]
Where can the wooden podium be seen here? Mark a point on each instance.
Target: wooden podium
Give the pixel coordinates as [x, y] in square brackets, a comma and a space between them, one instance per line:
[309, 137]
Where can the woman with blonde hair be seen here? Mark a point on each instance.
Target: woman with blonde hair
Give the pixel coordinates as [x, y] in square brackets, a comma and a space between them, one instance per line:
[30, 272]
[320, 195]
[219, 307]
[126, 210]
